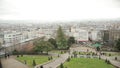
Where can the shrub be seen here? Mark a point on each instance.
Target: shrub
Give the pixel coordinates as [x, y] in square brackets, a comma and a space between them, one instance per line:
[17, 55]
[71, 56]
[48, 58]
[64, 51]
[34, 63]
[61, 52]
[79, 52]
[21, 55]
[108, 62]
[25, 61]
[99, 57]
[58, 55]
[51, 57]
[109, 54]
[61, 65]
[68, 59]
[115, 58]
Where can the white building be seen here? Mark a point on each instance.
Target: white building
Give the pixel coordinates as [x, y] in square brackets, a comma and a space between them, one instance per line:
[95, 35]
[12, 37]
[80, 35]
[24, 36]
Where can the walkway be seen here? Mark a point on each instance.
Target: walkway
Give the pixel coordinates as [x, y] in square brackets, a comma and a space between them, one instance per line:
[55, 63]
[112, 61]
[12, 63]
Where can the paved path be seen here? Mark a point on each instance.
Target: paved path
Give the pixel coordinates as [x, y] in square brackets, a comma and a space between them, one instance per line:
[12, 63]
[112, 61]
[55, 63]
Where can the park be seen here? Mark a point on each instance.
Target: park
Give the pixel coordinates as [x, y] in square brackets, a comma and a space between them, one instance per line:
[61, 52]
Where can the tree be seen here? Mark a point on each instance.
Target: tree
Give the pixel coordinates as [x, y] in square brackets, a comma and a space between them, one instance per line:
[115, 58]
[71, 41]
[60, 39]
[98, 48]
[53, 42]
[118, 44]
[41, 45]
[34, 63]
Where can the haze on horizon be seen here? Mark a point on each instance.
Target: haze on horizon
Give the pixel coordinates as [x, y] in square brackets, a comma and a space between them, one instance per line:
[59, 10]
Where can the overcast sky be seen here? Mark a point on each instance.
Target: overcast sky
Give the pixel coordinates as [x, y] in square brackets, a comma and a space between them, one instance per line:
[59, 10]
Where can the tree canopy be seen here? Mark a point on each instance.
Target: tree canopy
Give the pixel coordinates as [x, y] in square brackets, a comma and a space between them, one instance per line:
[42, 46]
[53, 42]
[60, 39]
[71, 41]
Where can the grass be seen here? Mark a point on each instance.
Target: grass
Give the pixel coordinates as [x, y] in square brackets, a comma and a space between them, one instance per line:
[86, 63]
[29, 59]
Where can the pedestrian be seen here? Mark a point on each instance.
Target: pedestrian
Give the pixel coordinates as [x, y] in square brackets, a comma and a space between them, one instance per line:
[8, 55]
[41, 66]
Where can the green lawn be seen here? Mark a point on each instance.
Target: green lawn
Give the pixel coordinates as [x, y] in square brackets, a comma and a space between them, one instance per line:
[29, 59]
[87, 63]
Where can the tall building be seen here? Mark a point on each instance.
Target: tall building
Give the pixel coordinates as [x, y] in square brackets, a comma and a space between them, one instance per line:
[110, 36]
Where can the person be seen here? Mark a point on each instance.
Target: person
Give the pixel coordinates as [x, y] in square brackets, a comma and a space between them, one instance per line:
[41, 66]
[8, 55]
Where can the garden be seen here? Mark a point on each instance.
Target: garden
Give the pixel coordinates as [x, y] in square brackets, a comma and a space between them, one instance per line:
[33, 60]
[86, 63]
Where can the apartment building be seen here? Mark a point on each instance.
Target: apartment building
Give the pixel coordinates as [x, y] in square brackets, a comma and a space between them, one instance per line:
[12, 37]
[80, 35]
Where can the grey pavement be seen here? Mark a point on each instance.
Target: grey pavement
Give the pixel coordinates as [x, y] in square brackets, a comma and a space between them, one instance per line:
[12, 63]
[112, 61]
[55, 63]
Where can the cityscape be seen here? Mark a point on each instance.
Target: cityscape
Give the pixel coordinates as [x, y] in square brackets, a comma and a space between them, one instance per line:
[59, 34]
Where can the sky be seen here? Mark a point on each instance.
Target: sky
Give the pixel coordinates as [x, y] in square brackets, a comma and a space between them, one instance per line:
[59, 10]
